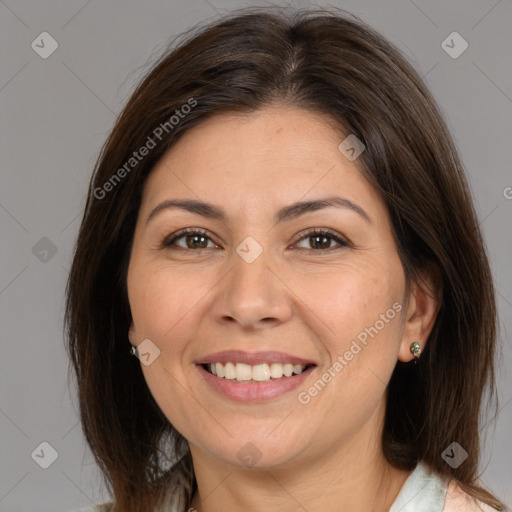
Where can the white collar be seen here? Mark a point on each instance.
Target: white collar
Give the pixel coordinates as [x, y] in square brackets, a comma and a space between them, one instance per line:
[423, 491]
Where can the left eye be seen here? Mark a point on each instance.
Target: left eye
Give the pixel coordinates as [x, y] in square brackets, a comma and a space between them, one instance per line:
[320, 240]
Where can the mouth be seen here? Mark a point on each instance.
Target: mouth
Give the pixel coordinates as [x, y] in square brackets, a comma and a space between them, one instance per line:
[256, 377]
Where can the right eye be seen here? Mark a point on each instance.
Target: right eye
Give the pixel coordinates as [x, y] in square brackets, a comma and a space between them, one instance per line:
[196, 235]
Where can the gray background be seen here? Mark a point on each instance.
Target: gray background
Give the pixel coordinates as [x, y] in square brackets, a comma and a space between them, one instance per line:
[56, 112]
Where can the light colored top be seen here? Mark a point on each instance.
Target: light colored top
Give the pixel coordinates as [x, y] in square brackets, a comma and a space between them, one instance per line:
[426, 491]
[423, 491]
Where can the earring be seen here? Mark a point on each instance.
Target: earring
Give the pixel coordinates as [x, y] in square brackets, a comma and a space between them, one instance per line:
[416, 349]
[134, 351]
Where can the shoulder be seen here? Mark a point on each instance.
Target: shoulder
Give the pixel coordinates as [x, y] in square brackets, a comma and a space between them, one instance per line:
[459, 501]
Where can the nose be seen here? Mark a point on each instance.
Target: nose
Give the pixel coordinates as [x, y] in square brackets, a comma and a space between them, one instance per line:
[253, 295]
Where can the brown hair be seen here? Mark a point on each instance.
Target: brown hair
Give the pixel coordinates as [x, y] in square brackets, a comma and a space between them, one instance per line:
[328, 63]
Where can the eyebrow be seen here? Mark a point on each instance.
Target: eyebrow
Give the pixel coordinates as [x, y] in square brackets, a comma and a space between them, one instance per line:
[286, 213]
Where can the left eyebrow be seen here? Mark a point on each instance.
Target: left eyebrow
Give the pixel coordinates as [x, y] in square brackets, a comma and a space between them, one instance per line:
[286, 213]
[297, 209]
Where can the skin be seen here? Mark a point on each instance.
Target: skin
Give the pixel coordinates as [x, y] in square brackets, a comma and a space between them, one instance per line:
[295, 298]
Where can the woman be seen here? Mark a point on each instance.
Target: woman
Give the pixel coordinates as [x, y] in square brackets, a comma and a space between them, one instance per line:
[280, 227]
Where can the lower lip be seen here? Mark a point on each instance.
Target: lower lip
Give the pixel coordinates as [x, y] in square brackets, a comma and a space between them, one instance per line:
[255, 391]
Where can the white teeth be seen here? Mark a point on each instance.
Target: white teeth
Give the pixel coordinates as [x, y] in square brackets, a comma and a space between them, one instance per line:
[229, 371]
[259, 372]
[220, 369]
[243, 371]
[276, 370]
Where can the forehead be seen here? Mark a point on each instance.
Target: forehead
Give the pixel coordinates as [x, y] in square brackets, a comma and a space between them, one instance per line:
[276, 155]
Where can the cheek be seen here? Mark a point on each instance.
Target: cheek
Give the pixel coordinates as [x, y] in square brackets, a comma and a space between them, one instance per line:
[162, 301]
[362, 340]
[164, 305]
[362, 309]
[348, 300]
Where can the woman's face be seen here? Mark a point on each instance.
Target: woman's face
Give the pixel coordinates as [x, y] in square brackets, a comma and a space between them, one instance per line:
[263, 289]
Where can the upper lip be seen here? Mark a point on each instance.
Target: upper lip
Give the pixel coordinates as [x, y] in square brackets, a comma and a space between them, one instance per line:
[252, 358]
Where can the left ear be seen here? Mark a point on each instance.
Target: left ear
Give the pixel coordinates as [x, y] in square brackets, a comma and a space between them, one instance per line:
[422, 310]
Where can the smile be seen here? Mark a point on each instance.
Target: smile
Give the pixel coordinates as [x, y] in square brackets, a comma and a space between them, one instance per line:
[254, 391]
[240, 372]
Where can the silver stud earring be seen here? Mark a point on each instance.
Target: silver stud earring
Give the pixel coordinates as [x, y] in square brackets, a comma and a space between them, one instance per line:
[416, 349]
[134, 351]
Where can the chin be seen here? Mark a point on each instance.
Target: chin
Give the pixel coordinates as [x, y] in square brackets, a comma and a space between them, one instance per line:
[256, 452]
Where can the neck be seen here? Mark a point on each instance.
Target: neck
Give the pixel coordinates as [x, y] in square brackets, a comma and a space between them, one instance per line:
[353, 476]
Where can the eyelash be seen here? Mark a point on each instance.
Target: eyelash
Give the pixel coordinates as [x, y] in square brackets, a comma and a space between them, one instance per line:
[169, 241]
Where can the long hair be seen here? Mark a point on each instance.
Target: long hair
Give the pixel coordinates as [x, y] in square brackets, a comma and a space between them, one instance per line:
[330, 63]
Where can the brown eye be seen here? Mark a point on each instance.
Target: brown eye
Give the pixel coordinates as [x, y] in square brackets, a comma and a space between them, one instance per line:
[320, 240]
[194, 239]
